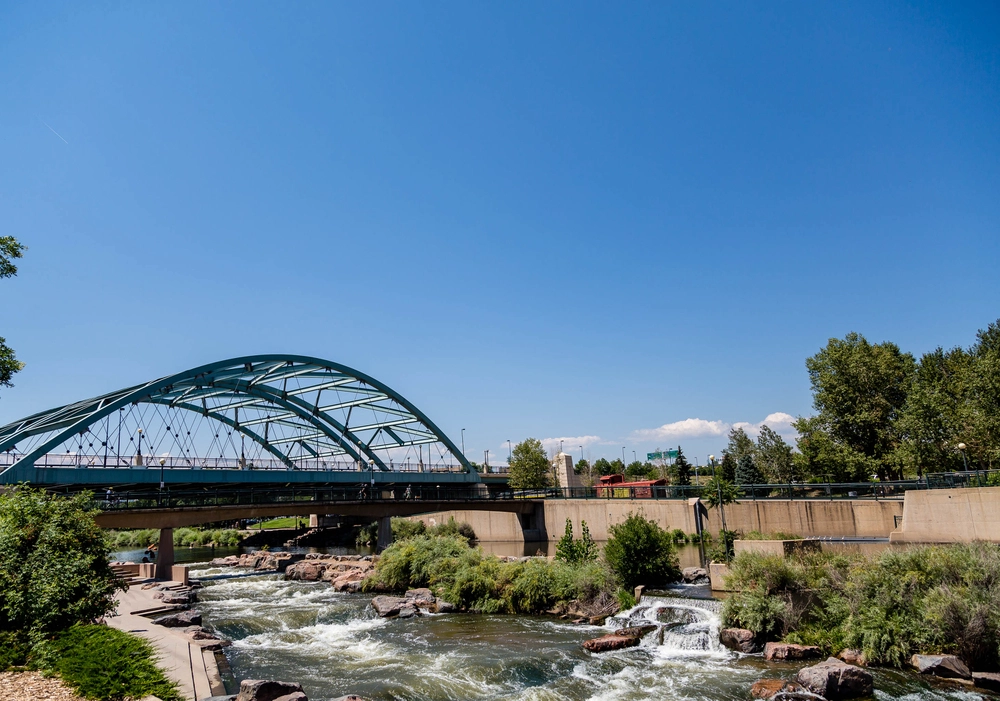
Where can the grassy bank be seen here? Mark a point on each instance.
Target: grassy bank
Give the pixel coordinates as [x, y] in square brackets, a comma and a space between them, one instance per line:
[141, 538]
[931, 599]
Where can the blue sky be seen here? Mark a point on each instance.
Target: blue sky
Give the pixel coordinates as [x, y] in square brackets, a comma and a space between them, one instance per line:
[630, 223]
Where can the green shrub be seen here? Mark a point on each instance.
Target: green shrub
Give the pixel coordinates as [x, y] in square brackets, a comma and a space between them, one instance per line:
[568, 549]
[403, 528]
[777, 535]
[679, 536]
[107, 664]
[466, 577]
[640, 552]
[454, 528]
[54, 569]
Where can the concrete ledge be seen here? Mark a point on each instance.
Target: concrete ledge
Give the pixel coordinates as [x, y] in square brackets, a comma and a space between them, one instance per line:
[717, 573]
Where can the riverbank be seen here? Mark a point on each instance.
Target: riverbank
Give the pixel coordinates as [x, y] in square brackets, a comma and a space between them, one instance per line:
[190, 663]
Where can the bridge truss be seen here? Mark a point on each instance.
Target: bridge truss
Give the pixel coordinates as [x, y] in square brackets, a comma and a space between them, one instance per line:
[263, 418]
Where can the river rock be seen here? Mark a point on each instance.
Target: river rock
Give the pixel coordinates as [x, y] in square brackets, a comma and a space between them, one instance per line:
[768, 688]
[835, 680]
[423, 598]
[852, 657]
[790, 651]
[175, 598]
[442, 606]
[352, 697]
[606, 643]
[941, 666]
[408, 611]
[182, 619]
[386, 606]
[267, 690]
[987, 680]
[350, 581]
[635, 631]
[305, 571]
[231, 561]
[739, 639]
[694, 575]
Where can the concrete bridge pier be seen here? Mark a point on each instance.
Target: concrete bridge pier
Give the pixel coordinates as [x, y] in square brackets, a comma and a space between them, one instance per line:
[384, 533]
[165, 554]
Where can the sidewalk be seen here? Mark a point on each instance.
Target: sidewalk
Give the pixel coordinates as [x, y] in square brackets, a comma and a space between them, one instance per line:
[182, 659]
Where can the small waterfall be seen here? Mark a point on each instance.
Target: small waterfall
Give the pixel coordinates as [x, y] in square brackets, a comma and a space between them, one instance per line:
[684, 626]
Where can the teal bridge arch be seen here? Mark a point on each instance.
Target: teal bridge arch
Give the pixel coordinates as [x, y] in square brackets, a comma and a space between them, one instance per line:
[265, 419]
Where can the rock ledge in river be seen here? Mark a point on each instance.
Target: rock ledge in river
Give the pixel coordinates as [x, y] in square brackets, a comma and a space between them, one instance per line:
[947, 666]
[606, 643]
[739, 639]
[790, 651]
[835, 680]
[268, 690]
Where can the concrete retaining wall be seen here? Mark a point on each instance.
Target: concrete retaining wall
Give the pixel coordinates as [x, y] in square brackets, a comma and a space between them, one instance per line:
[950, 516]
[848, 518]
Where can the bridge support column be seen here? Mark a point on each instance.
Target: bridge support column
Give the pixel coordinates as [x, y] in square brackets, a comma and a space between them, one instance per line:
[165, 554]
[384, 533]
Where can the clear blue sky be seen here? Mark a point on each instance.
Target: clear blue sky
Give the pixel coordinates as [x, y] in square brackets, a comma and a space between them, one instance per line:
[547, 219]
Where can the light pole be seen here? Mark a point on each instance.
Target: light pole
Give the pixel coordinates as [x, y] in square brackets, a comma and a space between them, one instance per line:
[961, 449]
[623, 458]
[486, 462]
[560, 445]
[634, 458]
[463, 442]
[509, 453]
[162, 462]
[138, 452]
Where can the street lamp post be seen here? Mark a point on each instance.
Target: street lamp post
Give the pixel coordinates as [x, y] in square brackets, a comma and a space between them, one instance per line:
[138, 451]
[509, 452]
[623, 458]
[463, 442]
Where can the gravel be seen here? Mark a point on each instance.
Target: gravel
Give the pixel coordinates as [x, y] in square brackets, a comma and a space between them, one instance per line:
[19, 686]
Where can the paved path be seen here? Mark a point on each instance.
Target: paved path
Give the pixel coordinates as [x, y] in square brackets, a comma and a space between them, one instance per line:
[182, 659]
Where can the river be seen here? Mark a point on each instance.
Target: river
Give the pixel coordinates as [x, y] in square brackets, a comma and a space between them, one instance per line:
[333, 644]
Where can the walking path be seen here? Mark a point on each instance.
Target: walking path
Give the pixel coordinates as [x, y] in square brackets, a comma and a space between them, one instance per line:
[184, 660]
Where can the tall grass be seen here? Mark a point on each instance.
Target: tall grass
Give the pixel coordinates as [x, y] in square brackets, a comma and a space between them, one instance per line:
[475, 581]
[930, 599]
[142, 538]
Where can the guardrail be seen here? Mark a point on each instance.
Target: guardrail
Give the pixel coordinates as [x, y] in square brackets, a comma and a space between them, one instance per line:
[365, 493]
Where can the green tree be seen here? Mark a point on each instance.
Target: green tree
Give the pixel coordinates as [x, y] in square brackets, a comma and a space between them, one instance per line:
[822, 459]
[640, 552]
[10, 250]
[982, 435]
[573, 551]
[682, 469]
[529, 466]
[747, 472]
[603, 467]
[640, 470]
[719, 491]
[581, 467]
[727, 469]
[54, 569]
[617, 467]
[775, 456]
[859, 390]
[740, 444]
[566, 547]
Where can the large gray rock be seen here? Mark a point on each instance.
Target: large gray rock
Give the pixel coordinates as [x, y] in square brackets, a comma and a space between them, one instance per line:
[443, 606]
[941, 666]
[424, 598]
[306, 571]
[739, 639]
[387, 606]
[790, 651]
[835, 680]
[268, 690]
[987, 680]
[182, 619]
[636, 631]
[694, 575]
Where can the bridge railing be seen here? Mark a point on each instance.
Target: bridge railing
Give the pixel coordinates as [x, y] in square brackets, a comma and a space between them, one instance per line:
[364, 492]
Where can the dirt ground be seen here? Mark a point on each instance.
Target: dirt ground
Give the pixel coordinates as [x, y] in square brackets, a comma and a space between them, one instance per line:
[21, 686]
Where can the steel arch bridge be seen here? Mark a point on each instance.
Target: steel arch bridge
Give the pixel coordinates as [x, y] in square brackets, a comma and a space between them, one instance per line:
[264, 419]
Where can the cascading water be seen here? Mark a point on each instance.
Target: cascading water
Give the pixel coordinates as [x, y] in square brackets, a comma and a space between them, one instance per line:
[682, 626]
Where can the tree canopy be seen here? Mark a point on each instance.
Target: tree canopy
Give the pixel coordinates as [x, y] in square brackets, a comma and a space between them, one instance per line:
[529, 466]
[10, 250]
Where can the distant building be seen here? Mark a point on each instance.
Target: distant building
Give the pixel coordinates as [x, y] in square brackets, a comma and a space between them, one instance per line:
[565, 477]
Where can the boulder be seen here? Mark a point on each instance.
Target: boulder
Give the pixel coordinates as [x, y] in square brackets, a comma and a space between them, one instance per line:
[739, 639]
[408, 611]
[175, 598]
[386, 606]
[350, 581]
[442, 606]
[607, 643]
[768, 688]
[231, 561]
[423, 598]
[267, 690]
[941, 666]
[306, 571]
[635, 631]
[852, 657]
[835, 680]
[789, 651]
[694, 575]
[294, 696]
[987, 680]
[352, 697]
[182, 619]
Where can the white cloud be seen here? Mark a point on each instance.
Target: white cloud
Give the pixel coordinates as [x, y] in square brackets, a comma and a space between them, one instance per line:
[779, 422]
[688, 428]
[551, 445]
